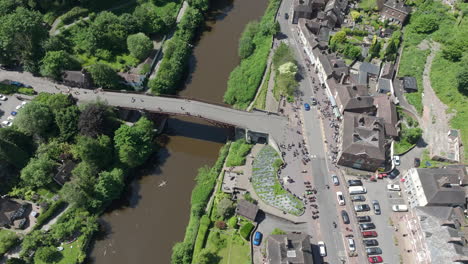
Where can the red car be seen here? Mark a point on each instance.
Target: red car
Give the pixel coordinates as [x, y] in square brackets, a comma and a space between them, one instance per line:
[376, 259]
[366, 234]
[382, 175]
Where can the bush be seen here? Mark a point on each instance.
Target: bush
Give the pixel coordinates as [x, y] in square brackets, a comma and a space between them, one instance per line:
[246, 230]
[232, 222]
[139, 45]
[26, 91]
[278, 231]
[237, 153]
[8, 89]
[246, 42]
[220, 225]
[7, 240]
[47, 215]
[201, 236]
[73, 14]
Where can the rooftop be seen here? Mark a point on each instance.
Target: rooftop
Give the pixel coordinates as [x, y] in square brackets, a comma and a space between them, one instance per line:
[386, 109]
[290, 248]
[441, 185]
[247, 209]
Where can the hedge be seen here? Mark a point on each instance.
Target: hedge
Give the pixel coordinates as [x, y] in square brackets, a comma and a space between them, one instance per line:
[245, 231]
[47, 215]
[201, 236]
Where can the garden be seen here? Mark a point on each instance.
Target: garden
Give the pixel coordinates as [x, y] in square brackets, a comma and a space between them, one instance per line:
[285, 72]
[239, 150]
[410, 133]
[267, 186]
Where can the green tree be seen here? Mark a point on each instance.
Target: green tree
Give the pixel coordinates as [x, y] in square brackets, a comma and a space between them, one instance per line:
[34, 119]
[181, 253]
[34, 240]
[462, 80]
[351, 51]
[103, 75]
[96, 119]
[55, 62]
[246, 42]
[425, 23]
[225, 208]
[202, 5]
[38, 172]
[391, 51]
[7, 240]
[54, 150]
[139, 45]
[109, 185]
[208, 256]
[15, 261]
[339, 37]
[134, 144]
[12, 153]
[18, 138]
[98, 152]
[55, 102]
[47, 254]
[452, 52]
[374, 49]
[355, 15]
[67, 122]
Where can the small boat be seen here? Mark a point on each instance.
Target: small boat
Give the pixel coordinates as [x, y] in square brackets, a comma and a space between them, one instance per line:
[163, 183]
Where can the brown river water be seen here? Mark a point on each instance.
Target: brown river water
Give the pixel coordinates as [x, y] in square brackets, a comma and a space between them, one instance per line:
[144, 225]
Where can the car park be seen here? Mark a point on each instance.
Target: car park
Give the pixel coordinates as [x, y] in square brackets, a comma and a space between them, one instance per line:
[322, 249]
[345, 217]
[396, 160]
[257, 238]
[354, 183]
[335, 180]
[306, 106]
[376, 206]
[364, 218]
[367, 234]
[393, 187]
[376, 259]
[400, 208]
[358, 198]
[340, 198]
[361, 207]
[393, 174]
[366, 226]
[370, 242]
[351, 245]
[373, 251]
[3, 98]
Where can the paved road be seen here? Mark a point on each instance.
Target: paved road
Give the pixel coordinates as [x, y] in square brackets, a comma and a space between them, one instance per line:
[256, 121]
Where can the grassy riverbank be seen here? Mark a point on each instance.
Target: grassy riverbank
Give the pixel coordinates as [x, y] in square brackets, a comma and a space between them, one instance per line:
[247, 76]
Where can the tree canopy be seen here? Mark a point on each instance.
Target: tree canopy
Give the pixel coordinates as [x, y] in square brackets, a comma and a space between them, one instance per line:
[96, 119]
[139, 45]
[103, 75]
[55, 62]
[38, 172]
[34, 119]
[97, 151]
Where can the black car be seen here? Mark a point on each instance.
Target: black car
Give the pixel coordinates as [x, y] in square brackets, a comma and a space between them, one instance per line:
[417, 162]
[345, 217]
[358, 198]
[393, 174]
[364, 218]
[354, 182]
[371, 242]
[286, 16]
[373, 251]
[366, 226]
[361, 207]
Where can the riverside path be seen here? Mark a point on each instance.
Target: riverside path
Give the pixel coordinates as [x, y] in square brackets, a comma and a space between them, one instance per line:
[257, 121]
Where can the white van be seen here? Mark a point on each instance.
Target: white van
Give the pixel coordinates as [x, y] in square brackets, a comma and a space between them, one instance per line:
[357, 190]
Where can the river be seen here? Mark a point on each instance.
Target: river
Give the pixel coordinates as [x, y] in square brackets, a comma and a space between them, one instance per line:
[148, 220]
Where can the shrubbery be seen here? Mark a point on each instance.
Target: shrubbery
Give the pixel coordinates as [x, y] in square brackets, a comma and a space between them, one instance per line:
[73, 14]
[7, 240]
[245, 230]
[237, 153]
[201, 236]
[44, 217]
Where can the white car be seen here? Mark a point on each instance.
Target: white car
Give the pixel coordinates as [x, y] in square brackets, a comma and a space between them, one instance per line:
[340, 198]
[396, 160]
[3, 98]
[322, 249]
[6, 123]
[393, 187]
[10, 118]
[400, 208]
[351, 245]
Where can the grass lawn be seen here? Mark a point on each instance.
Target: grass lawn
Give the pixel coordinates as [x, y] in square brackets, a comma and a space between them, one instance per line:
[368, 4]
[433, 164]
[260, 102]
[402, 146]
[72, 253]
[119, 64]
[229, 246]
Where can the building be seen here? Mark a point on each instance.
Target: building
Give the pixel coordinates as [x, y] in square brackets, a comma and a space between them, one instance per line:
[10, 212]
[386, 110]
[388, 71]
[435, 235]
[81, 79]
[247, 209]
[435, 186]
[64, 172]
[409, 84]
[394, 10]
[290, 248]
[301, 11]
[363, 143]
[351, 98]
[366, 71]
[384, 86]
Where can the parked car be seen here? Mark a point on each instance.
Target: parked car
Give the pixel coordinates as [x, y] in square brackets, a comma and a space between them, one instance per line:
[358, 198]
[345, 216]
[306, 106]
[393, 174]
[3, 98]
[286, 16]
[322, 249]
[400, 208]
[393, 187]
[335, 180]
[367, 234]
[14, 113]
[364, 218]
[351, 245]
[376, 206]
[10, 118]
[354, 183]
[257, 238]
[373, 251]
[370, 242]
[417, 162]
[366, 226]
[396, 160]
[6, 123]
[313, 100]
[361, 207]
[340, 198]
[376, 259]
[18, 84]
[382, 175]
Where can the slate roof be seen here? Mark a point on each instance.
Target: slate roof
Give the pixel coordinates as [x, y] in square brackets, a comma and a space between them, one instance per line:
[435, 183]
[247, 209]
[290, 248]
[369, 68]
[387, 71]
[398, 5]
[8, 209]
[303, 8]
[64, 172]
[409, 83]
[386, 109]
[363, 134]
[384, 85]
